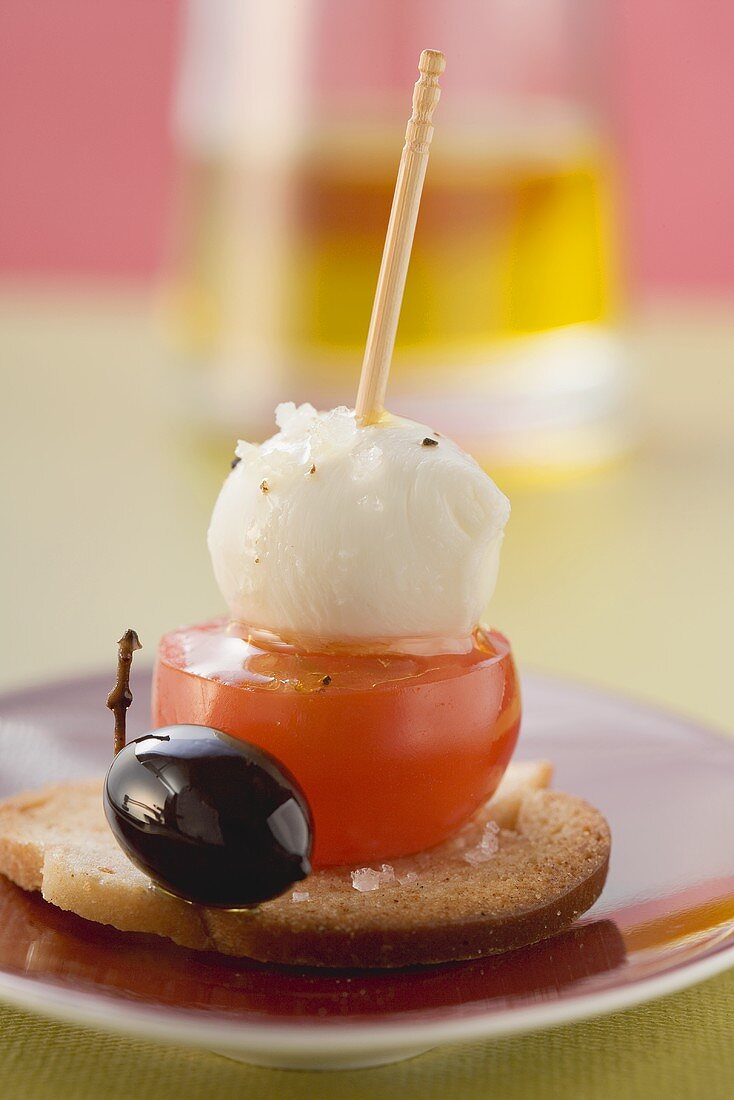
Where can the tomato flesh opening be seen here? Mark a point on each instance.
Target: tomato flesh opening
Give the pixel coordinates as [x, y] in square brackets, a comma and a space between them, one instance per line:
[394, 752]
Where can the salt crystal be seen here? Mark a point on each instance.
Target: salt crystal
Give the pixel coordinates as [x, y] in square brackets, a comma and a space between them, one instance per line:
[366, 879]
[365, 462]
[407, 878]
[387, 874]
[487, 847]
[300, 895]
[292, 419]
[476, 855]
[335, 429]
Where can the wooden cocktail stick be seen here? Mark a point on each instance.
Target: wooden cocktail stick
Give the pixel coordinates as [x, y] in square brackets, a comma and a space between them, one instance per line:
[399, 241]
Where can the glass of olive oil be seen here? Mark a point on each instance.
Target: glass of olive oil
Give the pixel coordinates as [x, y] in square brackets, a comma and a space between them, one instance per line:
[509, 334]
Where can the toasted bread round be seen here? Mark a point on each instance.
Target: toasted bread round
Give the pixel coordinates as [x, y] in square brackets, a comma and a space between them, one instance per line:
[491, 888]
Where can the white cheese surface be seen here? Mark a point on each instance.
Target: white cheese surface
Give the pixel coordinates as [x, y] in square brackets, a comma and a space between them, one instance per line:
[330, 533]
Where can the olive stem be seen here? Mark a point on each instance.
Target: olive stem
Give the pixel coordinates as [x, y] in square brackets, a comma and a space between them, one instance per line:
[120, 698]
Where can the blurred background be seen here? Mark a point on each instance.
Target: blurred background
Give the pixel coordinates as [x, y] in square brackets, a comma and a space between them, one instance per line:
[193, 200]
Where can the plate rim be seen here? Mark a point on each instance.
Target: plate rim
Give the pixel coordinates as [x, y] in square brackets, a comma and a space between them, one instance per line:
[156, 1023]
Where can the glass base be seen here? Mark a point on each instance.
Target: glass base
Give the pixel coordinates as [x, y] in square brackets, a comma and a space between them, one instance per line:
[539, 407]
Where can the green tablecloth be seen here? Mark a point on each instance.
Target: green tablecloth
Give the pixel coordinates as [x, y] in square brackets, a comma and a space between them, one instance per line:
[680, 1047]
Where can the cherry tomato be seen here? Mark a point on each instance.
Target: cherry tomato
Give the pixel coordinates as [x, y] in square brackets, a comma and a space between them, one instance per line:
[393, 752]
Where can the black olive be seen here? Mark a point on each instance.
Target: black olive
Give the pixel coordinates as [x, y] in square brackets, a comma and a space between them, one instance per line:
[209, 818]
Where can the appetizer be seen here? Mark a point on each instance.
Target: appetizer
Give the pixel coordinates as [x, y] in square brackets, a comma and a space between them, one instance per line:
[328, 781]
[356, 564]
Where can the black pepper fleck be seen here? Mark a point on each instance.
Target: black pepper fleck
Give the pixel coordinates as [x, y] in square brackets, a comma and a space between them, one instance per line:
[313, 468]
[428, 442]
[264, 487]
[326, 681]
[235, 462]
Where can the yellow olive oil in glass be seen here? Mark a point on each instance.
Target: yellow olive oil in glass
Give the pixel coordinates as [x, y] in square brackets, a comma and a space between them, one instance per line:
[506, 339]
[512, 239]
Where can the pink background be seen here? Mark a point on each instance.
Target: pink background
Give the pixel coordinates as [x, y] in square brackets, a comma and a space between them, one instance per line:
[86, 158]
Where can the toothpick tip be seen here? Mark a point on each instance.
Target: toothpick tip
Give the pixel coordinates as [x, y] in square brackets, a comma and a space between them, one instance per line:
[432, 63]
[398, 241]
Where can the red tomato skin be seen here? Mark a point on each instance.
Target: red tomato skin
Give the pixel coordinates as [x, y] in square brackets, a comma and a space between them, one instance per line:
[387, 770]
